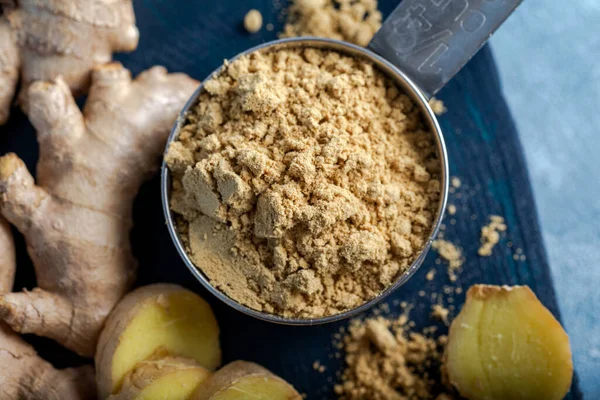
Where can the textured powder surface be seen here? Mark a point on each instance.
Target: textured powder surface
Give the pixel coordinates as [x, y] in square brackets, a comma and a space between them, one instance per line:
[490, 235]
[305, 182]
[384, 361]
[354, 21]
[451, 254]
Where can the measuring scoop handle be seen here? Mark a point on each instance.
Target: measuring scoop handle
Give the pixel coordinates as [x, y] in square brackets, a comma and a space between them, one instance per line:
[431, 40]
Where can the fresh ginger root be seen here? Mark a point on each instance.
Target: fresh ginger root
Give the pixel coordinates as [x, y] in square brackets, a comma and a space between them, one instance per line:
[170, 378]
[154, 322]
[24, 375]
[44, 39]
[241, 380]
[9, 69]
[7, 257]
[505, 344]
[77, 219]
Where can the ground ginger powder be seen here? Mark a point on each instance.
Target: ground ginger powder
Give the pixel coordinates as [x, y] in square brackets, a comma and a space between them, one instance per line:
[490, 235]
[385, 361]
[304, 182]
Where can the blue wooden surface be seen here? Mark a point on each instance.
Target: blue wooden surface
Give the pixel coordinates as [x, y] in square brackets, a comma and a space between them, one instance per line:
[547, 56]
[484, 150]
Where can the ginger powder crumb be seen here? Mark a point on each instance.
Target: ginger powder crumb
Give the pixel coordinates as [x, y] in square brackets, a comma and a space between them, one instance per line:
[253, 21]
[490, 235]
[451, 254]
[437, 106]
[305, 182]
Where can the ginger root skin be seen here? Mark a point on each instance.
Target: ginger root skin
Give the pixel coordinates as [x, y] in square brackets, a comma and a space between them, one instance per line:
[241, 380]
[170, 378]
[44, 39]
[10, 62]
[77, 218]
[24, 375]
[504, 344]
[154, 322]
[8, 257]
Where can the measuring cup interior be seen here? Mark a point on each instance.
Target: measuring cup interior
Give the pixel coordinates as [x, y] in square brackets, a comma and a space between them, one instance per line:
[405, 85]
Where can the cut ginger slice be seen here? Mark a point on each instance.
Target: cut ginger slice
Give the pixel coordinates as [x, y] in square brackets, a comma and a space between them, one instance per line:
[505, 344]
[242, 380]
[171, 378]
[152, 322]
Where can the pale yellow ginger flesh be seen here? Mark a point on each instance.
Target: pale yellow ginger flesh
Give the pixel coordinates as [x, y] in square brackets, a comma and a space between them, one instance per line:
[77, 217]
[154, 322]
[41, 40]
[23, 374]
[242, 380]
[171, 378]
[505, 344]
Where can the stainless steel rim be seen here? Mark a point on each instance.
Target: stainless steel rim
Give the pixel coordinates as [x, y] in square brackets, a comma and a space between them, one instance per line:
[410, 89]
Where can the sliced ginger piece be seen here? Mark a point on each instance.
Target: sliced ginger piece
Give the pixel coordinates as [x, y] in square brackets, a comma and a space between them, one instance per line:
[171, 378]
[505, 344]
[155, 321]
[242, 380]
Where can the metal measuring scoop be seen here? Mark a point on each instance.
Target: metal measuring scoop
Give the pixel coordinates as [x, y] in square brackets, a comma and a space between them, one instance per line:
[421, 45]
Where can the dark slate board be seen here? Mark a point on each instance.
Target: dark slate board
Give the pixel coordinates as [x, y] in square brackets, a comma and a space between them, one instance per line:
[484, 151]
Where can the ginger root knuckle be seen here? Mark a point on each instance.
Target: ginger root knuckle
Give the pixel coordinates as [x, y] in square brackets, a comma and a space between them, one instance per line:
[49, 90]
[127, 39]
[9, 163]
[158, 72]
[19, 197]
[505, 344]
[245, 377]
[113, 71]
[51, 105]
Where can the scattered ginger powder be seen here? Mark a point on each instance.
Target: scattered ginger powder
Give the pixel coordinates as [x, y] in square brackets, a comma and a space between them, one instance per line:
[304, 181]
[354, 21]
[490, 235]
[452, 254]
[385, 361]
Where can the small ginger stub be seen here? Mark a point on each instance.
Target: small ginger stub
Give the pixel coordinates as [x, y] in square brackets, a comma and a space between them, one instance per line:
[504, 344]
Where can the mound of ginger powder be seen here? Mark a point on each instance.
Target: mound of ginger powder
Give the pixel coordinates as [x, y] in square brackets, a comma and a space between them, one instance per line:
[304, 182]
